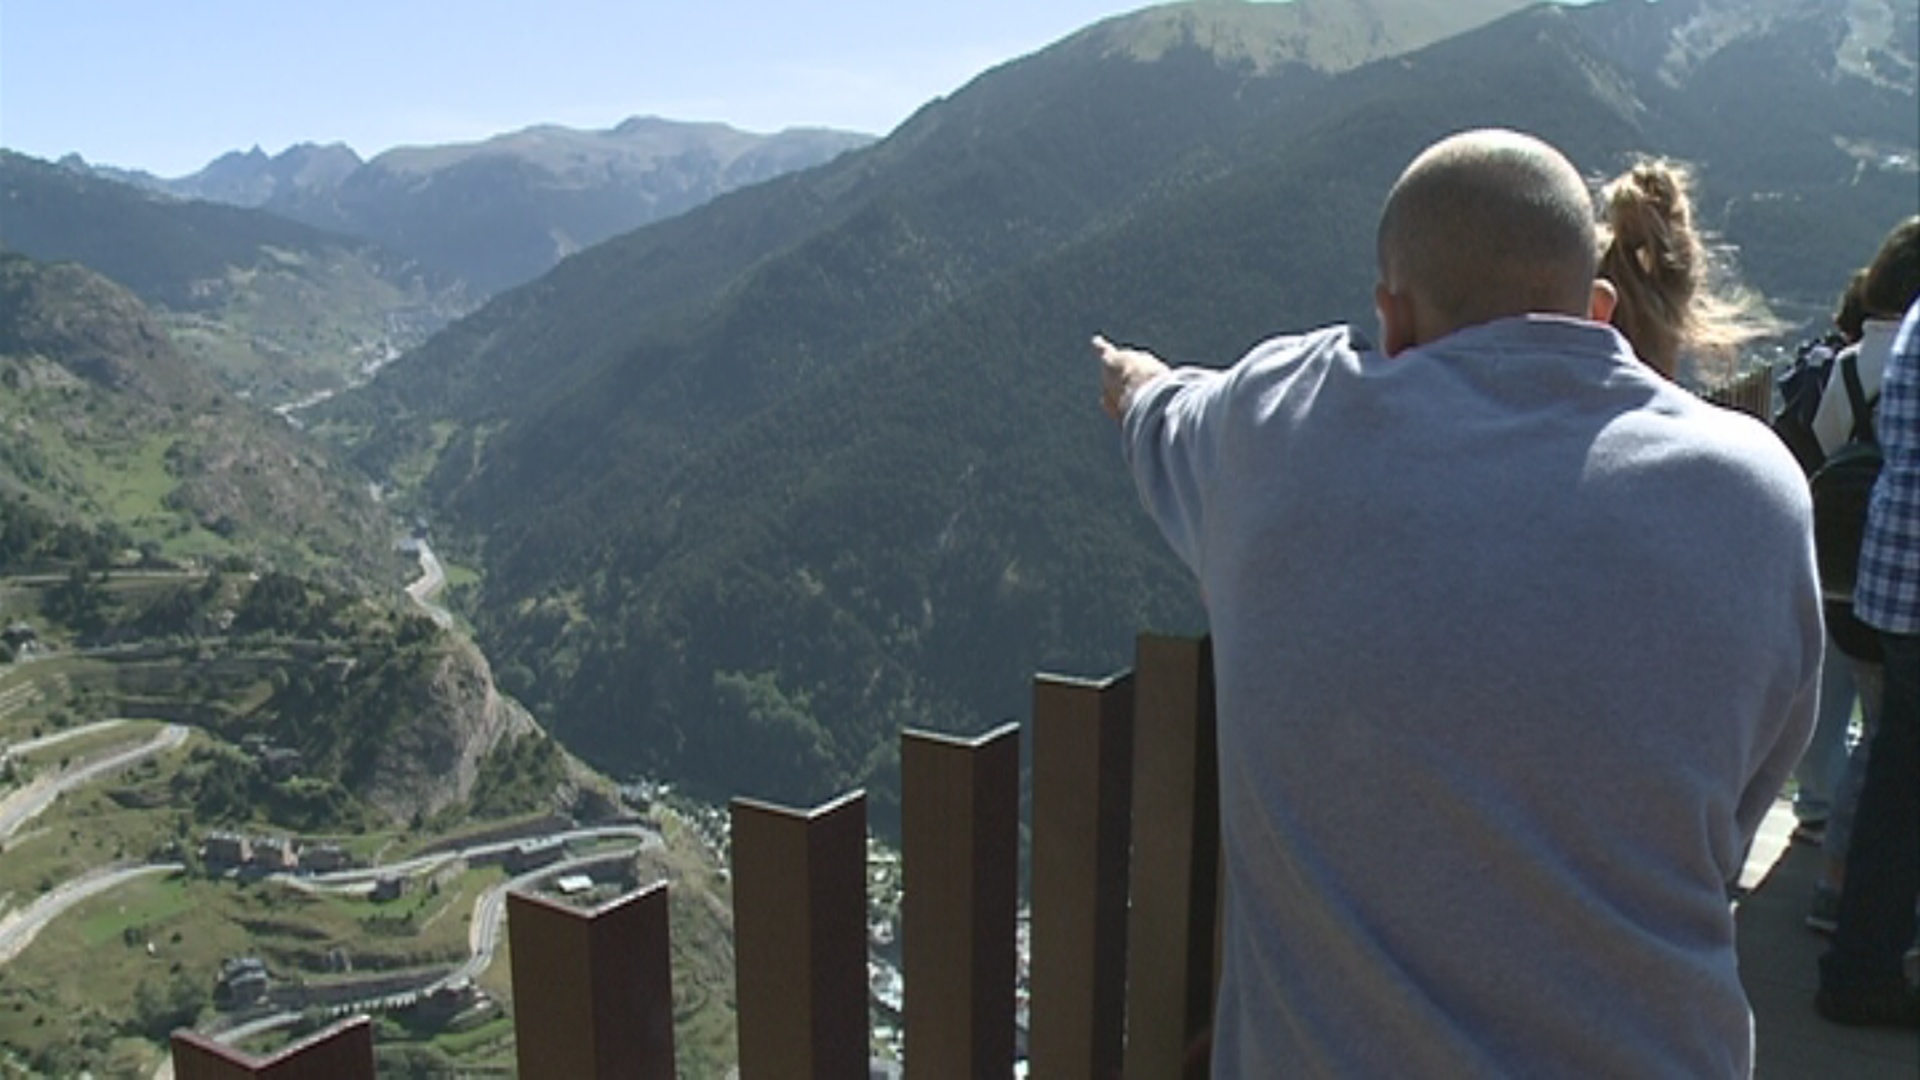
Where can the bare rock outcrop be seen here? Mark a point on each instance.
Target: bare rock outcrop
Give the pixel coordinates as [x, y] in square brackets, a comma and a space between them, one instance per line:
[430, 760]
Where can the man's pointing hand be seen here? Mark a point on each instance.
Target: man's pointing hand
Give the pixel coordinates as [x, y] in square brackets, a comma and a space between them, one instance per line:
[1122, 371]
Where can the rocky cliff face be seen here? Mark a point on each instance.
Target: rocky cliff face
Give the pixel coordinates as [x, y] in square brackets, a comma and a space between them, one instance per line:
[431, 758]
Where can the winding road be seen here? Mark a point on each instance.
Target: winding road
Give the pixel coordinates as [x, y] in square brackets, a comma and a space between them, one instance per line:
[433, 578]
[483, 932]
[19, 807]
[58, 737]
[19, 928]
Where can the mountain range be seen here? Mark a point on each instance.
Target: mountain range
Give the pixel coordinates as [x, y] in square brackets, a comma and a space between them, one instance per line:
[754, 486]
[499, 212]
[276, 310]
[731, 497]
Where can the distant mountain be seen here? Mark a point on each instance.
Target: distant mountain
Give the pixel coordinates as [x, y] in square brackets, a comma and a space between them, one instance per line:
[249, 179]
[755, 486]
[254, 179]
[108, 425]
[276, 309]
[1023, 160]
[503, 211]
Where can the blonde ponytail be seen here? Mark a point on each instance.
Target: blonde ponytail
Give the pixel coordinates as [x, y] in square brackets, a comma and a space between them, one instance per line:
[1659, 263]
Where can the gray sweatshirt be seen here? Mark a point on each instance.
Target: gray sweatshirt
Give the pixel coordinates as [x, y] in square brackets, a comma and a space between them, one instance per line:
[1515, 642]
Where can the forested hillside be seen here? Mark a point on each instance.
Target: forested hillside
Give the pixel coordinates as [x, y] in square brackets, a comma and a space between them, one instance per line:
[108, 426]
[272, 308]
[754, 487]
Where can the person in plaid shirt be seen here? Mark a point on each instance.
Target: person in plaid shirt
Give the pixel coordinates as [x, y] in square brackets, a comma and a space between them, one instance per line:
[1861, 976]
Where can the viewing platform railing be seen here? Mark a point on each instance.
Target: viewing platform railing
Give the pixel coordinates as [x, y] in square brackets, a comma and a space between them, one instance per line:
[1124, 894]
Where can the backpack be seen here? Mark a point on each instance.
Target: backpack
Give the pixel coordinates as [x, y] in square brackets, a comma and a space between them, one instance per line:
[1800, 386]
[1842, 488]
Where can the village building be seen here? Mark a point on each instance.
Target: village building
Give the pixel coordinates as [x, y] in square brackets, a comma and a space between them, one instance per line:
[534, 854]
[243, 981]
[224, 849]
[274, 854]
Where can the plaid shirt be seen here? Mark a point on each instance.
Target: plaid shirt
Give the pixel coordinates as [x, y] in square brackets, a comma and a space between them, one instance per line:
[1887, 594]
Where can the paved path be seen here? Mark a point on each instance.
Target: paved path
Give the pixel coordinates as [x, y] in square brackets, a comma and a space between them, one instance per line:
[433, 578]
[1778, 958]
[360, 877]
[59, 737]
[489, 911]
[483, 932]
[19, 928]
[19, 807]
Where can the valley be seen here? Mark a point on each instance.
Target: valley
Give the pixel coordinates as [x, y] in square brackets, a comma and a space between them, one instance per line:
[378, 536]
[106, 834]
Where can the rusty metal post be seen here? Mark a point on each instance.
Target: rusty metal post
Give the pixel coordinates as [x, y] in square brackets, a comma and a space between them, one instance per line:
[960, 812]
[341, 1052]
[1171, 960]
[800, 938]
[1082, 791]
[592, 988]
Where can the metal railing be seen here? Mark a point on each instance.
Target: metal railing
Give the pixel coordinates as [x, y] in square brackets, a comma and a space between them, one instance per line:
[1750, 392]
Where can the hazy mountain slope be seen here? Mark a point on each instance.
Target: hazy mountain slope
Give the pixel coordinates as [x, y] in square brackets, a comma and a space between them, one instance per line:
[501, 212]
[1331, 35]
[741, 535]
[680, 326]
[159, 247]
[1802, 113]
[107, 424]
[254, 179]
[274, 308]
[246, 179]
[910, 537]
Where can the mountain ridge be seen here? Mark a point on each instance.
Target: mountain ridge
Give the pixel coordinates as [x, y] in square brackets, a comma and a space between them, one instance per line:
[1328, 35]
[499, 211]
[942, 163]
[278, 310]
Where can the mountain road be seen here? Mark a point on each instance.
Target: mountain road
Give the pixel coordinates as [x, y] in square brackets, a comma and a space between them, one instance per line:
[19, 807]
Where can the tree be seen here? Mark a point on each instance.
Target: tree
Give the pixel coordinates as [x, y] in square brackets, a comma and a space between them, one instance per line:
[159, 1008]
[277, 602]
[76, 602]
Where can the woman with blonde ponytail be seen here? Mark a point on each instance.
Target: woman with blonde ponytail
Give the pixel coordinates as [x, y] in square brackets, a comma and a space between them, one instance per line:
[1653, 253]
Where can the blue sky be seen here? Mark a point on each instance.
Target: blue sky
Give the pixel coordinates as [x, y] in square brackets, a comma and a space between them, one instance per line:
[167, 85]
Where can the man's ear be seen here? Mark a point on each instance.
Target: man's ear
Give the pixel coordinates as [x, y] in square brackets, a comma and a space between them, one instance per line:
[1605, 299]
[1396, 320]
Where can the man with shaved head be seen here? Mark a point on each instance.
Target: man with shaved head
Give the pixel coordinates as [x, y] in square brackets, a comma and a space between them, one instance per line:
[1481, 227]
[1514, 643]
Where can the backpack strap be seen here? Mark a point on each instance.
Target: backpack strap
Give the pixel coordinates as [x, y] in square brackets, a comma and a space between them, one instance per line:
[1857, 397]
